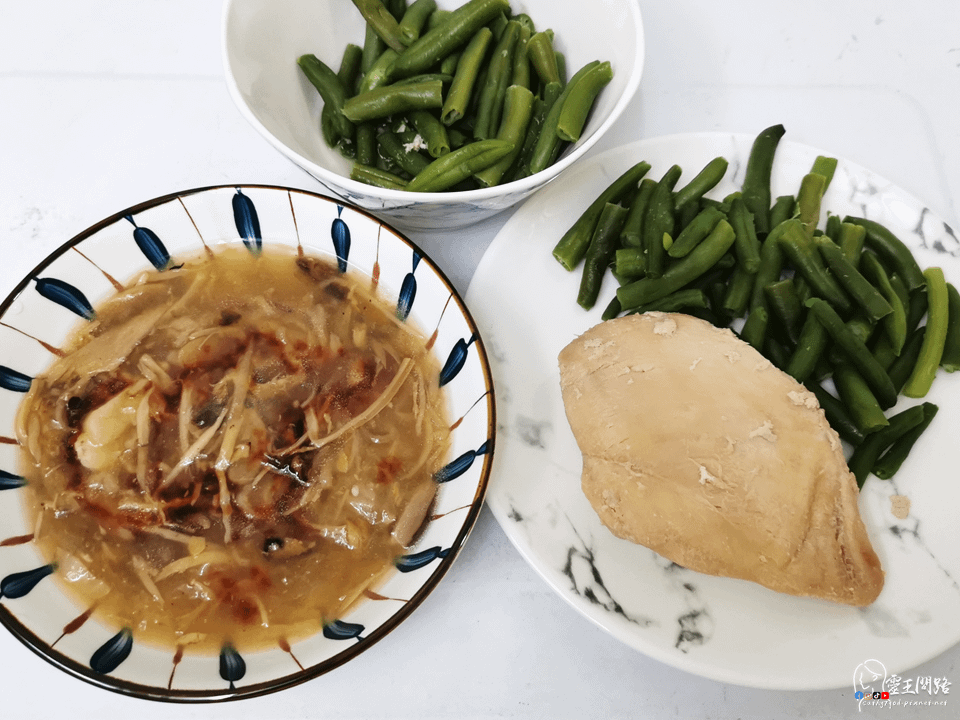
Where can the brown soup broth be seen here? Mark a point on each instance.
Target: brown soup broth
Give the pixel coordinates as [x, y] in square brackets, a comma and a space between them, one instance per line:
[233, 450]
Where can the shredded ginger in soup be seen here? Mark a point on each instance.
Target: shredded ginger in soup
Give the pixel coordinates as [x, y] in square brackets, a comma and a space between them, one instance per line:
[234, 450]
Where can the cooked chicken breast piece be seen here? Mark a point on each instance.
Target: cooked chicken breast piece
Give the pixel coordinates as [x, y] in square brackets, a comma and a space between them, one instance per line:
[697, 447]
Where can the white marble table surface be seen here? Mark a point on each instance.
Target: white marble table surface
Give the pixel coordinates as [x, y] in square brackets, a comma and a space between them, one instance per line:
[105, 103]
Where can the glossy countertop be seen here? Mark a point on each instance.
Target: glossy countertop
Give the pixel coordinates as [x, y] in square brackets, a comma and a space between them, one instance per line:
[108, 103]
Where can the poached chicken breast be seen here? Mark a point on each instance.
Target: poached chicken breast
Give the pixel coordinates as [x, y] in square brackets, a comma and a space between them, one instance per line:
[696, 446]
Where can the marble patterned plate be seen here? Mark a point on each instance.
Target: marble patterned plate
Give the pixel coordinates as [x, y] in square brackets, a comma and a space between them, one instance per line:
[62, 292]
[728, 630]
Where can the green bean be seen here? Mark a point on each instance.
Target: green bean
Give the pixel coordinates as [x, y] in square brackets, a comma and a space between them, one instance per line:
[382, 162]
[468, 69]
[548, 143]
[331, 133]
[695, 231]
[611, 310]
[888, 464]
[720, 271]
[856, 285]
[521, 64]
[542, 57]
[898, 286]
[629, 263]
[517, 109]
[901, 368]
[571, 248]
[433, 132]
[373, 48]
[680, 300]
[836, 413]
[775, 352]
[747, 245]
[826, 167]
[883, 352]
[603, 244]
[458, 138]
[437, 17]
[393, 99]
[521, 166]
[444, 78]
[561, 66]
[376, 177]
[499, 74]
[799, 249]
[856, 352]
[771, 265]
[700, 260]
[708, 178]
[808, 201]
[331, 90]
[756, 183]
[391, 147]
[329, 124]
[382, 21]
[498, 25]
[832, 230]
[686, 214]
[738, 290]
[894, 324]
[950, 360]
[397, 8]
[632, 233]
[457, 165]
[349, 71]
[754, 330]
[658, 221]
[380, 73]
[917, 303]
[809, 349]
[415, 19]
[449, 64]
[783, 209]
[455, 30]
[891, 250]
[366, 143]
[526, 21]
[863, 406]
[519, 170]
[920, 380]
[851, 239]
[865, 456]
[784, 303]
[716, 293]
[580, 100]
[861, 326]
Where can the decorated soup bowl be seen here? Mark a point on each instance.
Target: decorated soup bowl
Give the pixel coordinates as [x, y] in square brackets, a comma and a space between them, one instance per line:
[273, 492]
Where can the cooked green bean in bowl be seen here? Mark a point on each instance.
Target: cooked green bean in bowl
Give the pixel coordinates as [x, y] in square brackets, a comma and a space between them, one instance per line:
[434, 113]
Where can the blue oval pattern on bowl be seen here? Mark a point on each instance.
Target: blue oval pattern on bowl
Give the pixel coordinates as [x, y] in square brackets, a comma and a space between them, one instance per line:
[157, 232]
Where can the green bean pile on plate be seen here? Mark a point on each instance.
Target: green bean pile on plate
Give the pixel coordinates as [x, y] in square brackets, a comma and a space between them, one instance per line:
[845, 306]
[439, 100]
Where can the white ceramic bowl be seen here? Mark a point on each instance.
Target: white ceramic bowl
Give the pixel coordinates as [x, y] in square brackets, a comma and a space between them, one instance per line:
[50, 302]
[261, 40]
